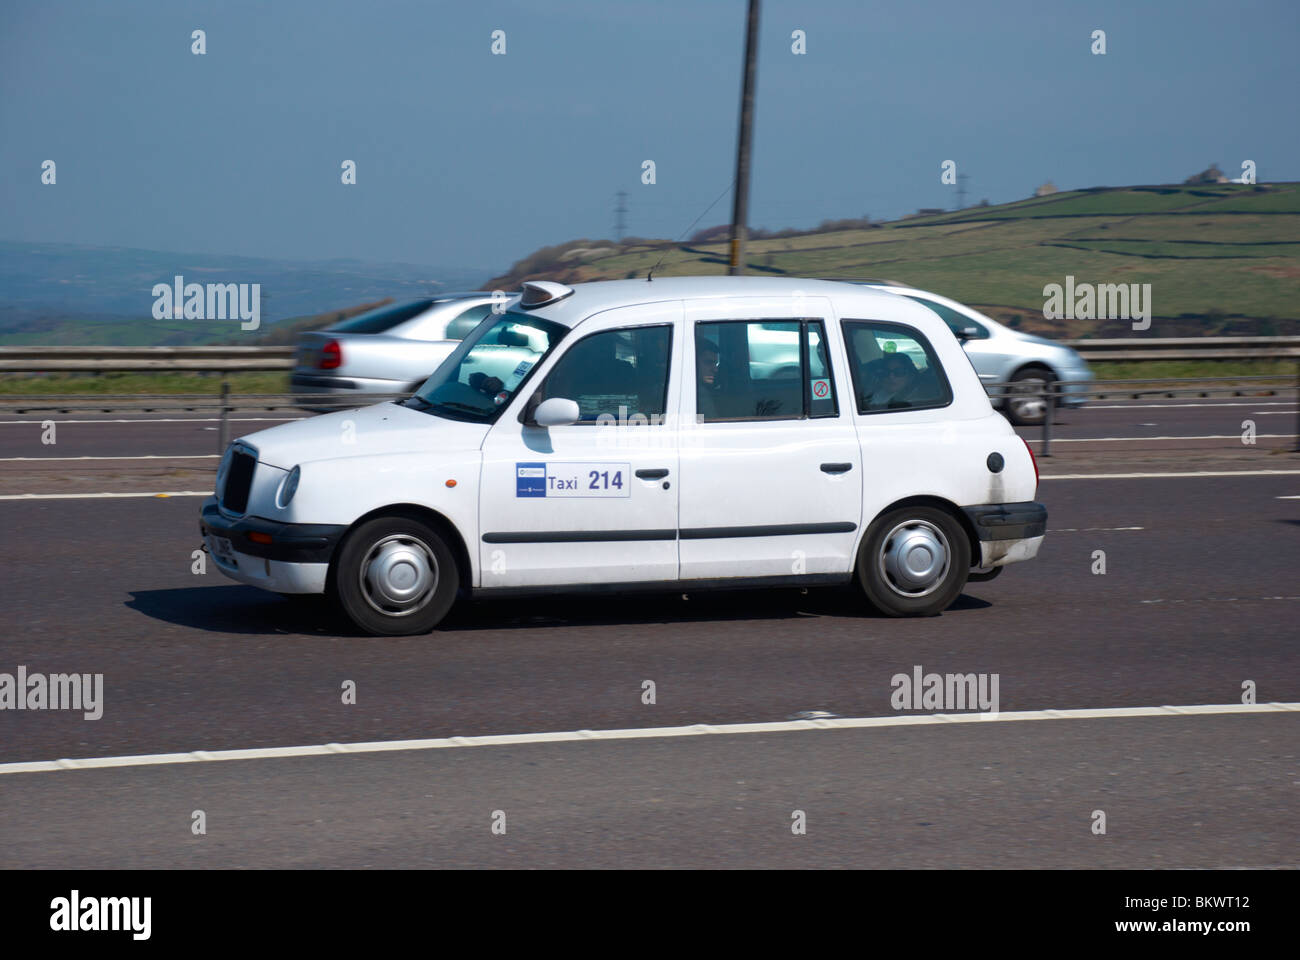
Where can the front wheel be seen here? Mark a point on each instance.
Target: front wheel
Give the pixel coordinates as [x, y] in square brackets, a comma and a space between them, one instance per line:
[914, 562]
[1025, 404]
[395, 576]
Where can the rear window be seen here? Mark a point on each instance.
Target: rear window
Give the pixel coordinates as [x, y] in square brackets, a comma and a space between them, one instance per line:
[384, 318]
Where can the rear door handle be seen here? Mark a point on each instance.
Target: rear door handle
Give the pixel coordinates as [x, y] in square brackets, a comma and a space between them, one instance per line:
[657, 473]
[836, 467]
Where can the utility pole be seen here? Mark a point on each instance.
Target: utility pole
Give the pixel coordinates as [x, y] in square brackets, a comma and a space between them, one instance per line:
[740, 205]
[620, 223]
[961, 191]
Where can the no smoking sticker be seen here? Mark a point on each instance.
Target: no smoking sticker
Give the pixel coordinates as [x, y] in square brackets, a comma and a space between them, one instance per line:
[821, 389]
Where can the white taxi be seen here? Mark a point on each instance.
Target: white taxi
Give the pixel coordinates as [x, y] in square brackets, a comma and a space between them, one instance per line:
[680, 434]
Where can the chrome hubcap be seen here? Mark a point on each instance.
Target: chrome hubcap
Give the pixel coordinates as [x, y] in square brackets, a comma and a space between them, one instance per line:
[398, 575]
[1029, 408]
[914, 558]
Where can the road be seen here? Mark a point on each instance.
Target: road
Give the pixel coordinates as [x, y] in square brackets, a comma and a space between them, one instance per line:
[1199, 596]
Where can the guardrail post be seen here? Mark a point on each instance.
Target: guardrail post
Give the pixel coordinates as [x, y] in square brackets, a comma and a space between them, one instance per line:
[223, 435]
[1049, 415]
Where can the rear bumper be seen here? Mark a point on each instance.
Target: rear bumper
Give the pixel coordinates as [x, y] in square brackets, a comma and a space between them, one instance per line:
[305, 383]
[1008, 532]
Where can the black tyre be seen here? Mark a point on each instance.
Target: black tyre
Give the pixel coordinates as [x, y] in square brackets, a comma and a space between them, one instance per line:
[1022, 407]
[395, 576]
[914, 562]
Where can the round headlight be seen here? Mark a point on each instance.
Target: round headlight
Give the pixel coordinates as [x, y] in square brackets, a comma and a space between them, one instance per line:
[288, 487]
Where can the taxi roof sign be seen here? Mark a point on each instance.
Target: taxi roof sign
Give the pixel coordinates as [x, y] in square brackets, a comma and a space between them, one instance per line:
[538, 293]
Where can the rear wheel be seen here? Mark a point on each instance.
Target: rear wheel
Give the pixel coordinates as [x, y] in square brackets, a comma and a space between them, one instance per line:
[395, 576]
[914, 562]
[1023, 408]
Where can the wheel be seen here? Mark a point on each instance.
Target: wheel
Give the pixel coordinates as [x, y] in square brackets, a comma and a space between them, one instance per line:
[395, 576]
[1028, 411]
[914, 562]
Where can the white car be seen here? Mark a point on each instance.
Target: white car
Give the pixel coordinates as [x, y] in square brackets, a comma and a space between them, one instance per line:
[674, 434]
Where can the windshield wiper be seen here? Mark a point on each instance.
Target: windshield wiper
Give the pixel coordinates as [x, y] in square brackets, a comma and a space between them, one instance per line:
[457, 405]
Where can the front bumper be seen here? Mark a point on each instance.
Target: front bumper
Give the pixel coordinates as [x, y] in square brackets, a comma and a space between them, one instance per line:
[1008, 532]
[295, 560]
[1074, 385]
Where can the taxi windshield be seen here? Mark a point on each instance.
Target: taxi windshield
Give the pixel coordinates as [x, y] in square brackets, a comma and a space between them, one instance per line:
[480, 377]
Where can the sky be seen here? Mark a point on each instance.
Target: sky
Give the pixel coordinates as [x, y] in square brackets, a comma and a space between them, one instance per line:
[472, 159]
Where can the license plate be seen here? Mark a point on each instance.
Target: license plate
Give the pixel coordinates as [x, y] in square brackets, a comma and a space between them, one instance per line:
[222, 549]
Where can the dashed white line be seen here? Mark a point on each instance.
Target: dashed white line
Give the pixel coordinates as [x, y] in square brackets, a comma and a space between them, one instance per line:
[640, 733]
[1105, 405]
[1092, 529]
[1211, 436]
[1157, 476]
[142, 456]
[172, 420]
[99, 496]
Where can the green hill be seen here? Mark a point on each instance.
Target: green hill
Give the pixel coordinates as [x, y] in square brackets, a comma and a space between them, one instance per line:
[1220, 258]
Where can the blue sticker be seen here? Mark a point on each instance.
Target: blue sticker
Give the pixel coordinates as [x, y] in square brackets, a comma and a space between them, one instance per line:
[530, 479]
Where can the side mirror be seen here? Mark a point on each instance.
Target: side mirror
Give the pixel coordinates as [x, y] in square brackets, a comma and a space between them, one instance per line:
[968, 333]
[556, 412]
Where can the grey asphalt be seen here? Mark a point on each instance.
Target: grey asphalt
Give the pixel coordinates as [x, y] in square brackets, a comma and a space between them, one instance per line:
[1176, 792]
[1203, 597]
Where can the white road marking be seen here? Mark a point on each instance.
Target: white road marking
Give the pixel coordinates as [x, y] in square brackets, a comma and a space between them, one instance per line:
[1154, 476]
[1106, 405]
[172, 420]
[1091, 529]
[1214, 436]
[638, 733]
[99, 496]
[1274, 413]
[143, 456]
[1215, 599]
[1290, 497]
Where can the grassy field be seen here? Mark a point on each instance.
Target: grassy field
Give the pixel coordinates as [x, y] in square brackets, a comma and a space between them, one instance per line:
[1221, 259]
[142, 383]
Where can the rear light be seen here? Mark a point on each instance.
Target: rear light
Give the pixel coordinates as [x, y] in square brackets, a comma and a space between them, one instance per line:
[1033, 460]
[331, 356]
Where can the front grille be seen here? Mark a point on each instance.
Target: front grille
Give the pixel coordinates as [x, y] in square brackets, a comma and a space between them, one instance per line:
[239, 480]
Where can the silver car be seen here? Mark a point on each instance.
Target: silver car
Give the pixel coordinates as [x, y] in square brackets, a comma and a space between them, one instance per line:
[1002, 355]
[392, 349]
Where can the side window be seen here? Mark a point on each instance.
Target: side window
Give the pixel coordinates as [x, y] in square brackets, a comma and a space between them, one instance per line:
[620, 373]
[459, 328]
[957, 322]
[894, 368]
[762, 370]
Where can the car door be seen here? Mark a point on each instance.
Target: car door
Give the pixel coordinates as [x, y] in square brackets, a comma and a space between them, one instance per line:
[770, 467]
[594, 502]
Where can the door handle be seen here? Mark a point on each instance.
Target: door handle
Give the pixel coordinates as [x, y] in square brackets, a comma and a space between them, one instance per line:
[836, 467]
[657, 473]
